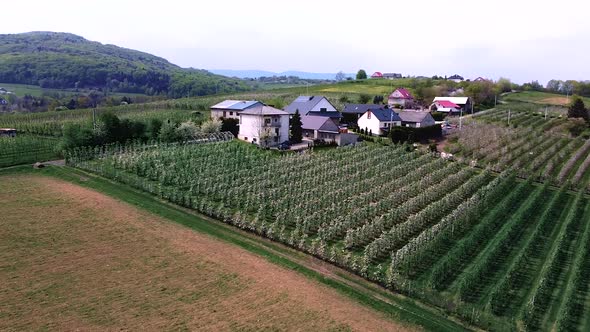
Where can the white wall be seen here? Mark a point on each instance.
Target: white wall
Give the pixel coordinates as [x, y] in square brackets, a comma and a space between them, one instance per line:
[324, 103]
[218, 114]
[251, 126]
[369, 124]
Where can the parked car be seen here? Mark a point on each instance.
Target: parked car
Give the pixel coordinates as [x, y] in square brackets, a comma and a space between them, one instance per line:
[286, 145]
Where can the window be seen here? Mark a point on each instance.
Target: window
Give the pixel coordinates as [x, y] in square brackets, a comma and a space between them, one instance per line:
[323, 109]
[369, 115]
[245, 138]
[267, 121]
[276, 120]
[224, 113]
[231, 113]
[254, 140]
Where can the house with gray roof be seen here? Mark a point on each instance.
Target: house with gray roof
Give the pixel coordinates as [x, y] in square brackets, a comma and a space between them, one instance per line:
[313, 105]
[231, 108]
[379, 121]
[416, 119]
[352, 112]
[325, 129]
[264, 125]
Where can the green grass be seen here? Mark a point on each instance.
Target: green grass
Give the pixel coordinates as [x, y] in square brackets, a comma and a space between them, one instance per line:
[397, 307]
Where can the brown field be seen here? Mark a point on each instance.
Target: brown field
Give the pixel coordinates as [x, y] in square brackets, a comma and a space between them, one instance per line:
[560, 101]
[74, 259]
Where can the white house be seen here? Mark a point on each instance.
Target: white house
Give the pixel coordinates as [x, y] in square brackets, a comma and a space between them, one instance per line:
[463, 102]
[445, 106]
[264, 125]
[378, 121]
[400, 97]
[416, 119]
[230, 109]
[456, 78]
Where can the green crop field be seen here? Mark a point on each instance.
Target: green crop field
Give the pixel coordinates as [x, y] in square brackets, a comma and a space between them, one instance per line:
[25, 149]
[493, 250]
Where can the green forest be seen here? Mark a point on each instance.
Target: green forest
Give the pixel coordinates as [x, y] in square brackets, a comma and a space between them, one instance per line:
[67, 61]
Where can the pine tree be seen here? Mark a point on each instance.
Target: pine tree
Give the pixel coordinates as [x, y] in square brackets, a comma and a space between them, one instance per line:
[296, 128]
[577, 109]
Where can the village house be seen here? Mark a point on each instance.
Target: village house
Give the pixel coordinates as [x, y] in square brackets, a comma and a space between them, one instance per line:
[352, 112]
[416, 119]
[230, 109]
[377, 74]
[264, 125]
[314, 105]
[392, 76]
[464, 103]
[400, 97]
[481, 79]
[456, 78]
[379, 121]
[319, 127]
[445, 106]
[7, 132]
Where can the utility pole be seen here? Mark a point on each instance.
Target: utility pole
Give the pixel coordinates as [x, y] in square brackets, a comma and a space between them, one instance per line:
[509, 117]
[461, 119]
[545, 112]
[495, 100]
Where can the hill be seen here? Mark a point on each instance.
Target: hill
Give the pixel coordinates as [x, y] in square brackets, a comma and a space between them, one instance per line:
[261, 73]
[64, 60]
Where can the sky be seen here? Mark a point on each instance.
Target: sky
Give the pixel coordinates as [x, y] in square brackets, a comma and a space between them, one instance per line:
[523, 40]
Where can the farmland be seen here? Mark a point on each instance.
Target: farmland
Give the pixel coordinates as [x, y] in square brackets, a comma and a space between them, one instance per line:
[27, 149]
[444, 233]
[75, 259]
[533, 144]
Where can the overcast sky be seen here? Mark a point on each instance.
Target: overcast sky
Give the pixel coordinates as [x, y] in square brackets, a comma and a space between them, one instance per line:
[519, 39]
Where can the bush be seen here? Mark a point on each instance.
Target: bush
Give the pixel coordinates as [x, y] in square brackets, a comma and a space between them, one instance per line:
[438, 116]
[410, 135]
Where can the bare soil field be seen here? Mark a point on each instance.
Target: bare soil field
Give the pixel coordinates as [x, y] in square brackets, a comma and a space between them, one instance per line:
[561, 101]
[75, 259]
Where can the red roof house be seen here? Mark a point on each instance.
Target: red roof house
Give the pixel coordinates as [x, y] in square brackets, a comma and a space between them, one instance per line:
[400, 97]
[377, 74]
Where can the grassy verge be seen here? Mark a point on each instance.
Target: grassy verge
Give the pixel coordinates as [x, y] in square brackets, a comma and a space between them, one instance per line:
[394, 306]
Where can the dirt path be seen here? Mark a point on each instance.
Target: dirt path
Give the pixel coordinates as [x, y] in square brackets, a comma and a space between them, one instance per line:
[96, 263]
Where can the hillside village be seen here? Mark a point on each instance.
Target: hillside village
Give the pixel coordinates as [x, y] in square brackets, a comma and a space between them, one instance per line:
[321, 123]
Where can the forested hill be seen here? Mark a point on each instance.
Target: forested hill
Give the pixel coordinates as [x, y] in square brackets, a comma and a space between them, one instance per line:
[64, 60]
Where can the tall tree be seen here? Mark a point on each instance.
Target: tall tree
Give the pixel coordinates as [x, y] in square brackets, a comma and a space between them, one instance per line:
[361, 74]
[577, 109]
[296, 128]
[340, 76]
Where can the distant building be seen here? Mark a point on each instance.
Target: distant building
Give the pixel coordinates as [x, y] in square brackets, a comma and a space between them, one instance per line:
[456, 78]
[416, 119]
[400, 97]
[392, 76]
[230, 109]
[7, 132]
[377, 74]
[264, 125]
[463, 102]
[445, 106]
[379, 121]
[481, 79]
